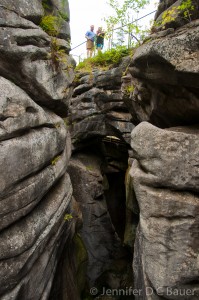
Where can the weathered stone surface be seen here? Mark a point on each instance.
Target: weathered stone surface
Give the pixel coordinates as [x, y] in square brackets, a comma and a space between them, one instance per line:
[97, 108]
[98, 234]
[132, 210]
[9, 18]
[164, 83]
[29, 50]
[177, 54]
[30, 256]
[31, 10]
[60, 8]
[26, 130]
[18, 112]
[32, 52]
[165, 178]
[35, 147]
[178, 17]
[151, 144]
[162, 6]
[26, 195]
[42, 145]
[70, 277]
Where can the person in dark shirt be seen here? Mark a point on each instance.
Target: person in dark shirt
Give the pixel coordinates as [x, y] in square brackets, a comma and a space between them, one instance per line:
[99, 39]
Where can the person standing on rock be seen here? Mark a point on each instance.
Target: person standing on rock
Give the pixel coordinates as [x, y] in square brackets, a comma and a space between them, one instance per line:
[99, 39]
[90, 36]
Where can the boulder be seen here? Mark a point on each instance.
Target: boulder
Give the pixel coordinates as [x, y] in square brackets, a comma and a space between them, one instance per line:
[164, 83]
[165, 180]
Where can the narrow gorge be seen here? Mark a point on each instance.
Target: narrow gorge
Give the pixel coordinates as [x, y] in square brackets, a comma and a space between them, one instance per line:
[98, 169]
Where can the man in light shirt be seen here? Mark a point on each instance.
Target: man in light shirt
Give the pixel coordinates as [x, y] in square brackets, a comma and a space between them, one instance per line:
[90, 36]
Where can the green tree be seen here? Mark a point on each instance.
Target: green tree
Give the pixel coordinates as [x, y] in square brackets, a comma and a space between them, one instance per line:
[124, 12]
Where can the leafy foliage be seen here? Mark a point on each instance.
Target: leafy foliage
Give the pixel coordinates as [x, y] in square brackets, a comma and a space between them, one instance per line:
[186, 7]
[171, 14]
[52, 21]
[129, 89]
[45, 4]
[57, 54]
[68, 217]
[51, 24]
[123, 13]
[105, 59]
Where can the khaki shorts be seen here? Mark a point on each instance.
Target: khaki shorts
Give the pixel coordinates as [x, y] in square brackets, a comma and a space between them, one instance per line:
[89, 45]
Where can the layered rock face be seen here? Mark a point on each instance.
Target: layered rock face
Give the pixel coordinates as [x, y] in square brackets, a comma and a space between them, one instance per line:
[165, 171]
[100, 126]
[103, 215]
[97, 232]
[97, 109]
[165, 176]
[35, 190]
[36, 228]
[27, 56]
[166, 87]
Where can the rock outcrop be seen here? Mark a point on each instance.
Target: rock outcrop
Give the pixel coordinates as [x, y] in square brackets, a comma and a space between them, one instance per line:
[103, 216]
[175, 13]
[165, 176]
[35, 190]
[27, 56]
[100, 126]
[156, 214]
[97, 108]
[164, 77]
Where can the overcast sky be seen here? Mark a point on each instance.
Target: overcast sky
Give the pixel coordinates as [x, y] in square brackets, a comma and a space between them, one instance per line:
[83, 13]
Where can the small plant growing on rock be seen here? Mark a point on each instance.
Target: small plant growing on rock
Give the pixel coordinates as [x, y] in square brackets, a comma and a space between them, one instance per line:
[129, 89]
[50, 24]
[66, 122]
[57, 55]
[186, 7]
[68, 217]
[171, 14]
[55, 160]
